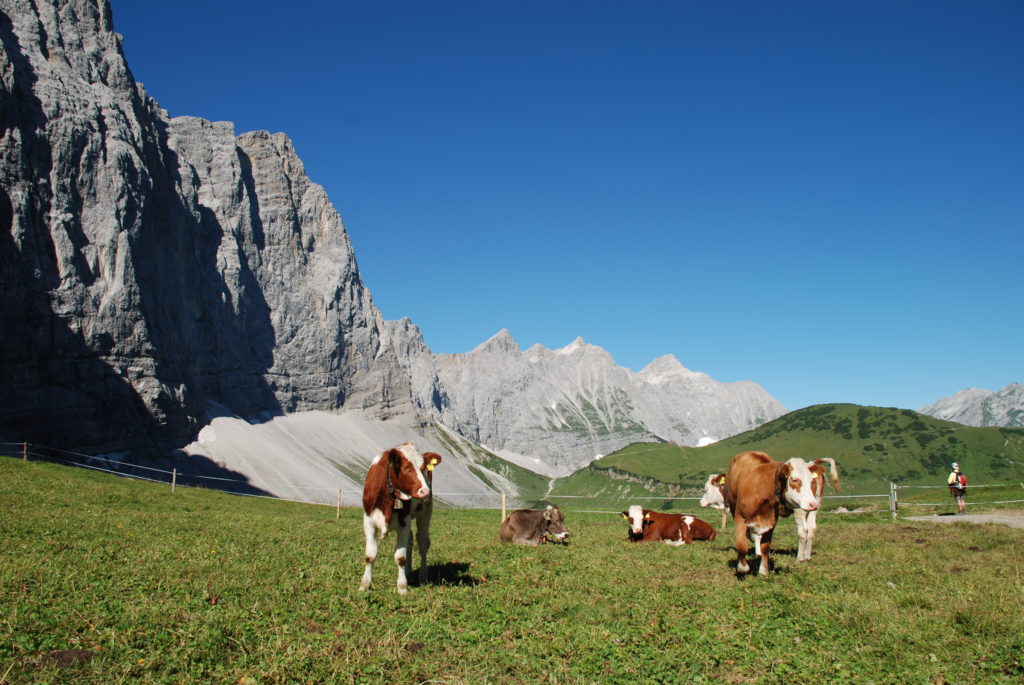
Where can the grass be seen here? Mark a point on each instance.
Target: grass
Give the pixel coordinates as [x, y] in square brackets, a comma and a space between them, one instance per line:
[871, 445]
[104, 580]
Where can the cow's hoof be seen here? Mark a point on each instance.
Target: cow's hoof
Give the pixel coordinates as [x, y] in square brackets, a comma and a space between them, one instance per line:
[403, 590]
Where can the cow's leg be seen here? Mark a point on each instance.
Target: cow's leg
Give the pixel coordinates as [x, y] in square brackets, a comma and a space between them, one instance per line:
[423, 543]
[371, 530]
[725, 518]
[812, 527]
[402, 553]
[740, 526]
[803, 553]
[765, 540]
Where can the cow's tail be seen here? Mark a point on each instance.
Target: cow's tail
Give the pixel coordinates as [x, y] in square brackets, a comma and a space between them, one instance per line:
[833, 472]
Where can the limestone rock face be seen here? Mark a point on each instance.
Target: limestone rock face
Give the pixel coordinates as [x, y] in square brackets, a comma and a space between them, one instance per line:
[978, 407]
[155, 270]
[565, 407]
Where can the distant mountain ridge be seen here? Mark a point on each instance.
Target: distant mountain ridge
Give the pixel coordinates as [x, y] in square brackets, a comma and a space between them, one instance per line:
[978, 407]
[574, 403]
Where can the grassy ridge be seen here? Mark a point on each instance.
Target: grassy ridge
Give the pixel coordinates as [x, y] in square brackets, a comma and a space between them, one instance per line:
[199, 586]
[872, 446]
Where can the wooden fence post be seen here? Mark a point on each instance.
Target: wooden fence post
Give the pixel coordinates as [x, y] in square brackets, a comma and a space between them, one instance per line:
[893, 502]
[174, 479]
[503, 506]
[24, 451]
[337, 510]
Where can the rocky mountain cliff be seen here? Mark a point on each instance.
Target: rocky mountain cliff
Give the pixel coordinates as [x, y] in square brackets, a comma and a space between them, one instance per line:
[158, 272]
[977, 407]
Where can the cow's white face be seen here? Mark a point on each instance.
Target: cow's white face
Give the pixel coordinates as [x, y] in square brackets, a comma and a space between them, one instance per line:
[713, 492]
[799, 491]
[409, 464]
[636, 519]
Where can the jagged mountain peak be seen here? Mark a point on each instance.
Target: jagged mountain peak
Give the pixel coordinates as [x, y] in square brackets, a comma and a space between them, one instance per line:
[667, 368]
[502, 341]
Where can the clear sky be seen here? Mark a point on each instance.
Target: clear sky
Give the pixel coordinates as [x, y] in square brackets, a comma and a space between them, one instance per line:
[826, 198]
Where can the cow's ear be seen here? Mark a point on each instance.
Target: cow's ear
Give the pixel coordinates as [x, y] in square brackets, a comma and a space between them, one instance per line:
[431, 459]
[547, 513]
[785, 472]
[721, 480]
[625, 515]
[395, 456]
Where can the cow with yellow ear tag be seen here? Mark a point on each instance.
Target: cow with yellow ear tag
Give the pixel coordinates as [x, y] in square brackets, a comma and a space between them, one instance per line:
[398, 490]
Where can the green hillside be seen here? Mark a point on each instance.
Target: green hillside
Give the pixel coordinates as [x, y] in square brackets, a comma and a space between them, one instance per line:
[871, 445]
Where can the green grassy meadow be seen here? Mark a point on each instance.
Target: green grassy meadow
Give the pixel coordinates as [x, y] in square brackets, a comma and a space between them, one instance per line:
[105, 580]
[871, 445]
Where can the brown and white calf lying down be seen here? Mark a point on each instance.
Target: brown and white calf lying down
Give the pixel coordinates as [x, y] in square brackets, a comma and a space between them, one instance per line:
[534, 526]
[396, 493]
[672, 529]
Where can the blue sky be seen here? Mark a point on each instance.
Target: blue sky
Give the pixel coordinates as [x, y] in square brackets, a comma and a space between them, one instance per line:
[826, 198]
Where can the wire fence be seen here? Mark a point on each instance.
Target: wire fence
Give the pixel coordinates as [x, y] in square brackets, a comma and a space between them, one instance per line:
[242, 486]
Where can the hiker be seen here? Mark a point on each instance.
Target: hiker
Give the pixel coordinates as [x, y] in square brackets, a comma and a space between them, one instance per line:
[957, 483]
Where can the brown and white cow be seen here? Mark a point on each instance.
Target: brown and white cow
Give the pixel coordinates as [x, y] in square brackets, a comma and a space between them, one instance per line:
[672, 529]
[807, 521]
[396, 492]
[714, 495]
[533, 526]
[759, 491]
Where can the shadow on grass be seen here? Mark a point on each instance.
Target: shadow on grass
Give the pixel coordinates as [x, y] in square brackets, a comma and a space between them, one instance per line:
[452, 573]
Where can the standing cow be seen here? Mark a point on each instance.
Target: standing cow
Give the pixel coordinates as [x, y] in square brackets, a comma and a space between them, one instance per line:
[714, 495]
[534, 526]
[760, 491]
[807, 521]
[672, 529]
[396, 492]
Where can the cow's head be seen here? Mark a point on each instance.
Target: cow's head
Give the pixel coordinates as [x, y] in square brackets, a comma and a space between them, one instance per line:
[635, 517]
[406, 467]
[795, 485]
[714, 492]
[554, 524]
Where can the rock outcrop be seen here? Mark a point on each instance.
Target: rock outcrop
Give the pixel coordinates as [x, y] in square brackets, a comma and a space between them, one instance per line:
[156, 271]
[571, 405]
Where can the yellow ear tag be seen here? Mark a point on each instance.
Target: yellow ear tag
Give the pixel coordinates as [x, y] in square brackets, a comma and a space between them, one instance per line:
[813, 475]
[432, 464]
[721, 481]
[647, 516]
